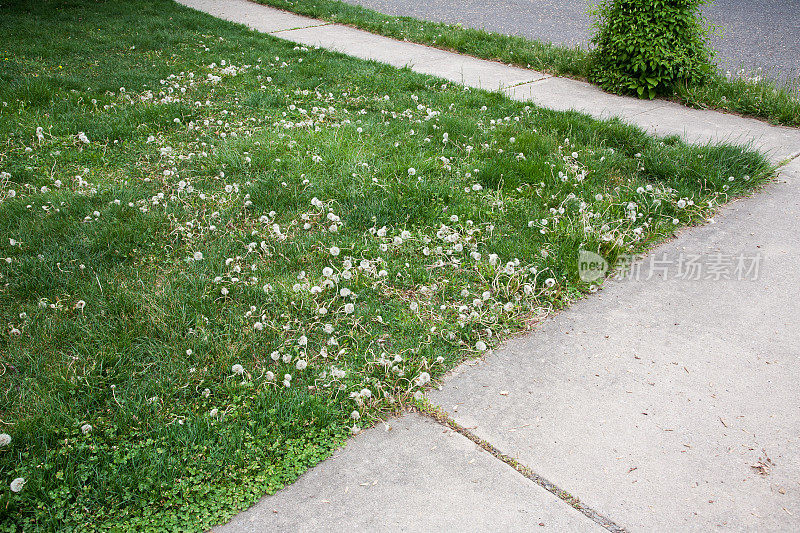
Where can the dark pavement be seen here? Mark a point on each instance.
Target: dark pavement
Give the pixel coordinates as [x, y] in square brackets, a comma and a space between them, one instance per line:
[755, 34]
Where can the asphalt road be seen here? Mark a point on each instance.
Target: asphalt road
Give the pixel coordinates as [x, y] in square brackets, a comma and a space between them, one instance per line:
[754, 34]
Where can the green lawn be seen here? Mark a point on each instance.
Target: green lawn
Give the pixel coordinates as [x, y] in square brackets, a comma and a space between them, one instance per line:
[763, 98]
[220, 253]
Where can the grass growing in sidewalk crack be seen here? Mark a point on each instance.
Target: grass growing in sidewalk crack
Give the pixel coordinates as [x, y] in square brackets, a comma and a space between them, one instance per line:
[221, 253]
[762, 98]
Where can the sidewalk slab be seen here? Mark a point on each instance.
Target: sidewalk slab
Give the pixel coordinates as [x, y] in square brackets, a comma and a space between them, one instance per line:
[466, 70]
[420, 476]
[660, 117]
[252, 15]
[704, 125]
[653, 401]
[564, 94]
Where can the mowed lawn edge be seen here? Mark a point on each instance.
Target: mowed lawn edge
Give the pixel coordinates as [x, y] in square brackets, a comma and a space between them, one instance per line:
[221, 253]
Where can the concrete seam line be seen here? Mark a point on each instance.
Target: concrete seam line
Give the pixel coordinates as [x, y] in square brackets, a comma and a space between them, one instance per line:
[437, 414]
[302, 27]
[530, 82]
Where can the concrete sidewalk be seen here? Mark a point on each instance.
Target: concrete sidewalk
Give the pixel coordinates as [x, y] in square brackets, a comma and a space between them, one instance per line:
[661, 404]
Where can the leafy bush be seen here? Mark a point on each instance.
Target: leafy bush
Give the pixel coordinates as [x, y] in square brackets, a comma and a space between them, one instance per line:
[646, 47]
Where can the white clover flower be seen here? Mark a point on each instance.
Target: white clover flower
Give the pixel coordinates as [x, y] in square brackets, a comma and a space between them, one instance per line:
[197, 256]
[493, 259]
[80, 305]
[213, 412]
[269, 375]
[422, 379]
[335, 251]
[83, 138]
[17, 484]
[328, 328]
[275, 355]
[344, 292]
[480, 346]
[327, 272]
[302, 341]
[412, 171]
[349, 308]
[258, 326]
[86, 428]
[549, 282]
[355, 415]
[301, 364]
[414, 307]
[5, 439]
[237, 369]
[681, 203]
[365, 393]
[322, 311]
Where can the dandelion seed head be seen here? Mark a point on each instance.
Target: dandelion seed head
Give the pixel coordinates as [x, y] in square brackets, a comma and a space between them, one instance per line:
[17, 484]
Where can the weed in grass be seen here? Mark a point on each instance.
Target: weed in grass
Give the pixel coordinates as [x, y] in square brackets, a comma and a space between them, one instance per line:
[222, 253]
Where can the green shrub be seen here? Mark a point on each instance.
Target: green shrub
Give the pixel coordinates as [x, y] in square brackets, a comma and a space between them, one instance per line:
[646, 47]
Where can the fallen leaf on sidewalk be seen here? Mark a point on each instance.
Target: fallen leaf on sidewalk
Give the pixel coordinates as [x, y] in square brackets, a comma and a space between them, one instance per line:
[764, 465]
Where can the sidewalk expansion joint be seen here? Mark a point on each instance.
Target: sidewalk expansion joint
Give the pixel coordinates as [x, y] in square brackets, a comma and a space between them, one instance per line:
[301, 28]
[444, 419]
[529, 82]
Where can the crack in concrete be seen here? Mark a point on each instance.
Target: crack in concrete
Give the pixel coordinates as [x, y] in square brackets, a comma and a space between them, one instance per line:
[437, 414]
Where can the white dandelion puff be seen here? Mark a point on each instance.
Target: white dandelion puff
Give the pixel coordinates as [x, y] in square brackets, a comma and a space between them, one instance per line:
[17, 484]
